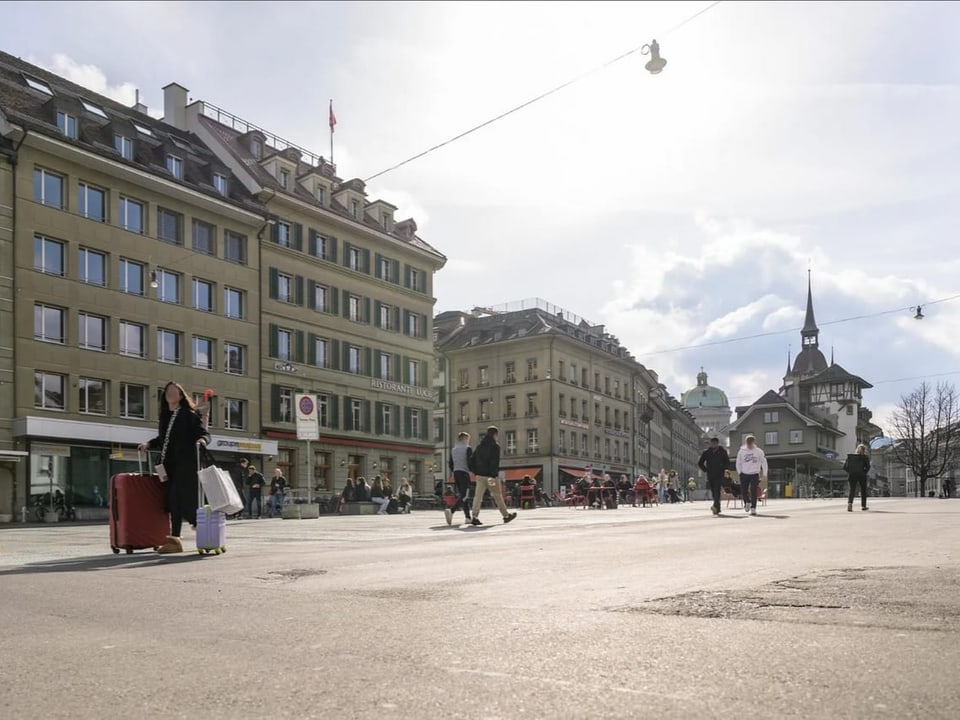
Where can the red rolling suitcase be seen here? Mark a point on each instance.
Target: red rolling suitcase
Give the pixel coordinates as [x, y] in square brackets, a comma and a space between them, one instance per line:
[138, 516]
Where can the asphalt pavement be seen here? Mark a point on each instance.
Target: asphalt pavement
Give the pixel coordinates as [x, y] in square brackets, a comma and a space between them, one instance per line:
[805, 611]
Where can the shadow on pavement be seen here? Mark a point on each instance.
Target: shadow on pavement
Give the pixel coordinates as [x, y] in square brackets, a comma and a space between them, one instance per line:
[100, 562]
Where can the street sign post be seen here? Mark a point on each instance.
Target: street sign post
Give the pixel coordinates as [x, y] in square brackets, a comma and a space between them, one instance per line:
[308, 428]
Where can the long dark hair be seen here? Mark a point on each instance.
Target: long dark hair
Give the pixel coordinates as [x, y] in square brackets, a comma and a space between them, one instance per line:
[186, 402]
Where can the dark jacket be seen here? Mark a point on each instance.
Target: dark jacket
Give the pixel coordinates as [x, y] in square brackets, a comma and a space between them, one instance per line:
[255, 479]
[180, 462]
[857, 465]
[361, 493]
[278, 485]
[714, 462]
[487, 457]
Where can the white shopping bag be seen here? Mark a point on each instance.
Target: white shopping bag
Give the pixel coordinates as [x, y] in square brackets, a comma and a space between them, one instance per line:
[222, 495]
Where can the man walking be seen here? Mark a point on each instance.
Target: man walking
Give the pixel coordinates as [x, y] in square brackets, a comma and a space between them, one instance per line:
[486, 461]
[278, 492]
[714, 461]
[461, 456]
[255, 483]
[751, 465]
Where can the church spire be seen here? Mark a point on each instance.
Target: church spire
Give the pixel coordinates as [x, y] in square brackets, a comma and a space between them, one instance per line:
[810, 332]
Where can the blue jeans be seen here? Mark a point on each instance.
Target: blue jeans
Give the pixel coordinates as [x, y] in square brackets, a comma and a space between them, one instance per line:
[276, 503]
[255, 496]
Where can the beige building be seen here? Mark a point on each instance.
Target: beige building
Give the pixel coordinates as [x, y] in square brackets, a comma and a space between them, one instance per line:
[127, 255]
[563, 392]
[347, 303]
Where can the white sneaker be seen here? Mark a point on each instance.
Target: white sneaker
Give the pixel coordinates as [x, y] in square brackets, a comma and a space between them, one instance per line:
[746, 509]
[448, 514]
[753, 511]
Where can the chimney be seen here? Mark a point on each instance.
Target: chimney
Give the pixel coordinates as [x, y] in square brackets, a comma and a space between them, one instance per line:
[175, 106]
[139, 106]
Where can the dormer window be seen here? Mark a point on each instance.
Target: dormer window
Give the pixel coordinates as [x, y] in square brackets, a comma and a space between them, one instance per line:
[355, 209]
[67, 124]
[143, 129]
[386, 220]
[175, 166]
[284, 179]
[38, 84]
[124, 146]
[321, 194]
[93, 108]
[220, 183]
[256, 148]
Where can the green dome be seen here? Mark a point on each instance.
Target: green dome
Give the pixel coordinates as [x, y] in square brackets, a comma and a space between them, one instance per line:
[704, 395]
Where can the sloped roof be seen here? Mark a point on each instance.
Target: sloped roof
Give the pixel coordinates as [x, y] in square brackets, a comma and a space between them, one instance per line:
[836, 373]
[773, 399]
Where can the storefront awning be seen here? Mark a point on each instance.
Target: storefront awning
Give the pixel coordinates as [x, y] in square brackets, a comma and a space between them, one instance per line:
[12, 456]
[577, 472]
[517, 473]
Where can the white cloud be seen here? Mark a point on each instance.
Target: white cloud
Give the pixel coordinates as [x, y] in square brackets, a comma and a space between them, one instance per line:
[91, 77]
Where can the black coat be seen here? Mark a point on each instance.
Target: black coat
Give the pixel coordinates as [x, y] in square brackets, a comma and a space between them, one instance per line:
[487, 457]
[714, 463]
[180, 461]
[857, 465]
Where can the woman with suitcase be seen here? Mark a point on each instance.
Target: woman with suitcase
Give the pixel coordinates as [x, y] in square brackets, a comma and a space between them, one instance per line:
[181, 430]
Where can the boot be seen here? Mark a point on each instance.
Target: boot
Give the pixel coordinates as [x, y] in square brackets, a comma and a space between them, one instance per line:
[172, 545]
[849, 507]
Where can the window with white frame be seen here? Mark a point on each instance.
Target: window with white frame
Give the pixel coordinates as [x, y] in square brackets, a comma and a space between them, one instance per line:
[386, 315]
[175, 166]
[562, 441]
[92, 202]
[67, 125]
[131, 277]
[204, 237]
[49, 391]
[771, 438]
[133, 401]
[283, 234]
[234, 247]
[510, 442]
[384, 269]
[320, 352]
[354, 308]
[202, 295]
[92, 332]
[93, 396]
[356, 414]
[220, 183]
[132, 339]
[355, 259]
[771, 416]
[124, 146]
[48, 323]
[533, 441]
[235, 414]
[485, 404]
[386, 419]
[285, 405]
[320, 298]
[414, 423]
[169, 286]
[413, 325]
[132, 215]
[49, 256]
[284, 288]
[413, 372]
[285, 345]
[235, 358]
[323, 410]
[203, 353]
[92, 267]
[322, 247]
[386, 363]
[353, 360]
[233, 303]
[284, 178]
[796, 437]
[415, 279]
[168, 346]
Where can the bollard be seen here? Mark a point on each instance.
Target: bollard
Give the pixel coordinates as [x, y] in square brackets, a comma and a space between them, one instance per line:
[23, 514]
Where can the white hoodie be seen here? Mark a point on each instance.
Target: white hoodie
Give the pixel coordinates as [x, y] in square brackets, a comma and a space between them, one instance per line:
[751, 462]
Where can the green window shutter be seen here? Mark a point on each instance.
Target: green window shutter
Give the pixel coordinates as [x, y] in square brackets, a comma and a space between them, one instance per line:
[312, 242]
[346, 303]
[347, 414]
[378, 418]
[334, 409]
[297, 236]
[366, 416]
[334, 358]
[273, 340]
[424, 430]
[274, 283]
[376, 266]
[274, 403]
[346, 357]
[407, 421]
[395, 272]
[397, 368]
[396, 319]
[366, 310]
[332, 244]
[406, 276]
[333, 297]
[346, 253]
[423, 326]
[298, 290]
[311, 349]
[311, 294]
[406, 370]
[368, 362]
[397, 430]
[366, 261]
[275, 230]
[376, 313]
[300, 344]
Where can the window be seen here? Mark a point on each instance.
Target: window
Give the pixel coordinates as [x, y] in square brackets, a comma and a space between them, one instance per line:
[533, 444]
[532, 369]
[202, 295]
[531, 404]
[354, 259]
[38, 84]
[510, 442]
[235, 414]
[92, 267]
[168, 346]
[414, 279]
[48, 391]
[355, 415]
[143, 129]
[355, 209]
[562, 402]
[235, 358]
[133, 401]
[169, 226]
[414, 423]
[413, 372]
[354, 308]
[92, 333]
[562, 441]
[606, 448]
[168, 289]
[583, 377]
[510, 406]
[510, 372]
[771, 417]
[48, 323]
[131, 340]
[484, 410]
[320, 298]
[323, 410]
[383, 269]
[386, 362]
[175, 166]
[413, 325]
[596, 414]
[67, 124]
[353, 359]
[849, 409]
[796, 437]
[93, 108]
[48, 256]
[285, 179]
[322, 247]
[131, 277]
[596, 447]
[606, 384]
[561, 370]
[233, 305]
[464, 379]
[596, 382]
[463, 414]
[93, 396]
[573, 373]
[204, 236]
[124, 146]
[220, 183]
[585, 411]
[320, 352]
[771, 438]
[131, 215]
[285, 344]
[484, 376]
[284, 288]
[321, 194]
[285, 405]
[438, 430]
[584, 445]
[48, 188]
[256, 148]
[92, 202]
[234, 248]
[283, 234]
[386, 419]
[203, 353]
[386, 313]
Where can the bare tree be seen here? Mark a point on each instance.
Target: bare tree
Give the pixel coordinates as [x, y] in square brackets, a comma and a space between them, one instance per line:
[926, 429]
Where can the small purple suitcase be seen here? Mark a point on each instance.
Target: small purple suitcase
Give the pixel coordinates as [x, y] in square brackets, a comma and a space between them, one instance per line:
[211, 525]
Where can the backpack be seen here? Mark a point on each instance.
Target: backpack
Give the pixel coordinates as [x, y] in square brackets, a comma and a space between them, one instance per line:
[472, 459]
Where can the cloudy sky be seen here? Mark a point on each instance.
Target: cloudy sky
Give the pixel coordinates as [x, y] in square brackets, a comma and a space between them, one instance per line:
[677, 210]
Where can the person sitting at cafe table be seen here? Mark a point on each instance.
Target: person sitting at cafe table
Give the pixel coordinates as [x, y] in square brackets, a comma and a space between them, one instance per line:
[625, 488]
[361, 492]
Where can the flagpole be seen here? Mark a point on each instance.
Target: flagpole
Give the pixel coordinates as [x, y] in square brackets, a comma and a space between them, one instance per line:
[331, 131]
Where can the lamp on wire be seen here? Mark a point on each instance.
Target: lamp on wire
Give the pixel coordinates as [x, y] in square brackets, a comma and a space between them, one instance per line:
[656, 64]
[919, 315]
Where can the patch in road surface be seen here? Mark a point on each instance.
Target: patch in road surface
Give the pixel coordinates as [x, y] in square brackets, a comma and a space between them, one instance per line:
[897, 598]
[291, 575]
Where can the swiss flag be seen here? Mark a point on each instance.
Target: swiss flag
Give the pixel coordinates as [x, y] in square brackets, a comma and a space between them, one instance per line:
[333, 118]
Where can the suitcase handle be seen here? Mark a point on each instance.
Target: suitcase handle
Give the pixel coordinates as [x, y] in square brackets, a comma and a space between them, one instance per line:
[140, 455]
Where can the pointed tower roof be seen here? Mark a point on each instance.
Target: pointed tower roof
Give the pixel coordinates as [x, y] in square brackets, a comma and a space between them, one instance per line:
[810, 322]
[810, 360]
